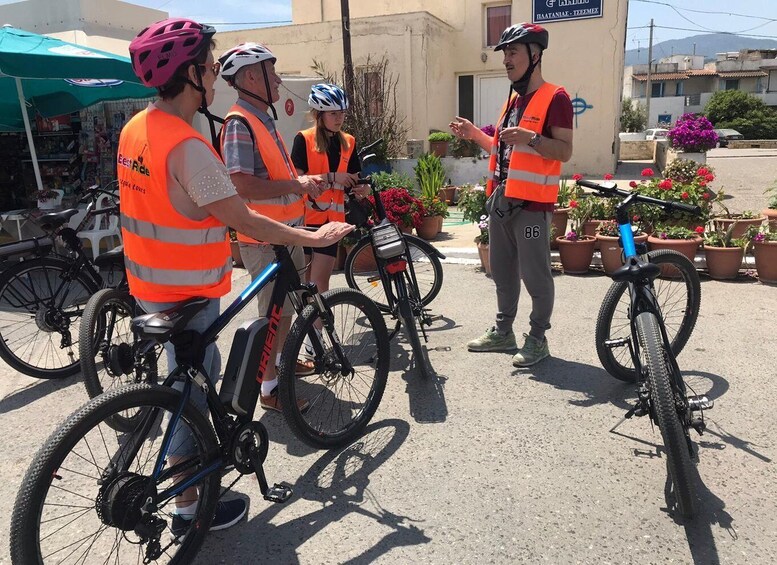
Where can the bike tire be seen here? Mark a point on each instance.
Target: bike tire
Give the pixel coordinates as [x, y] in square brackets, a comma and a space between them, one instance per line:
[664, 406]
[678, 298]
[340, 406]
[410, 326]
[108, 348]
[426, 264]
[28, 312]
[52, 472]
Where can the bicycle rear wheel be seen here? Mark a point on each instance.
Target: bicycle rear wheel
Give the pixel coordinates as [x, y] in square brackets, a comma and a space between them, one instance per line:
[666, 403]
[40, 316]
[340, 406]
[678, 292]
[411, 324]
[362, 274]
[108, 348]
[81, 498]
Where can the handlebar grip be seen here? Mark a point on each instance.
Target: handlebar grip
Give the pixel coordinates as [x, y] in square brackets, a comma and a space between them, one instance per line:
[692, 209]
[369, 148]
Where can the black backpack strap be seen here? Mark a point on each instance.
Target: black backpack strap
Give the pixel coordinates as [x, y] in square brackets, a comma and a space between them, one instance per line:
[243, 121]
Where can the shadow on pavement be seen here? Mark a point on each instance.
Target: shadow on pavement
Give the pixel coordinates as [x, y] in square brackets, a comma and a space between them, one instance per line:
[35, 391]
[338, 482]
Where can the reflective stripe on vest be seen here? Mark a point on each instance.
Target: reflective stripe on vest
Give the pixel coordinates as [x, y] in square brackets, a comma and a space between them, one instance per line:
[169, 256]
[288, 209]
[332, 201]
[530, 176]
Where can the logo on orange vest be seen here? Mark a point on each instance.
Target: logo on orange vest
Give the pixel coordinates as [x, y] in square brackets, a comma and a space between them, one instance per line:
[533, 119]
[133, 164]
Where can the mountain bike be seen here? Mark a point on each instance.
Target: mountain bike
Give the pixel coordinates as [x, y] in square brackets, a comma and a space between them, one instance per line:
[662, 392]
[42, 297]
[403, 274]
[95, 493]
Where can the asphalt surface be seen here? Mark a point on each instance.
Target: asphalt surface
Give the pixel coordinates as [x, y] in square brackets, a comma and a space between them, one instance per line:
[491, 464]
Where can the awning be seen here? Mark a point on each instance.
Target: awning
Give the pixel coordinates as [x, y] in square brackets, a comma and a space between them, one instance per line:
[741, 74]
[662, 76]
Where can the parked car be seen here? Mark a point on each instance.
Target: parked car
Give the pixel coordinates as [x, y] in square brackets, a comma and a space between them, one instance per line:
[655, 133]
[725, 135]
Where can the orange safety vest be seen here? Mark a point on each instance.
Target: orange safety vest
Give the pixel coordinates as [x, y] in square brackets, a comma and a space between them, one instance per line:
[530, 176]
[331, 201]
[168, 257]
[288, 209]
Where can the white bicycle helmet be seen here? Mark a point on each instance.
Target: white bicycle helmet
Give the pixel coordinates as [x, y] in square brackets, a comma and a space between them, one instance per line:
[241, 55]
[327, 98]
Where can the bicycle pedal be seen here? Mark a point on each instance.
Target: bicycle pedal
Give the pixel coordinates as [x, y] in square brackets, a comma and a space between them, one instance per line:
[700, 403]
[620, 342]
[441, 348]
[279, 493]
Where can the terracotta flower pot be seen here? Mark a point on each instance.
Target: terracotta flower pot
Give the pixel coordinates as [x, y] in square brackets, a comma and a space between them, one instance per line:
[576, 255]
[742, 225]
[439, 148]
[447, 194]
[612, 253]
[723, 263]
[590, 227]
[766, 261]
[559, 225]
[771, 215]
[430, 227]
[485, 261]
[687, 247]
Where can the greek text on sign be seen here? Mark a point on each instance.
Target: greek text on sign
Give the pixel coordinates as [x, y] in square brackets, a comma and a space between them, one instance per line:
[561, 10]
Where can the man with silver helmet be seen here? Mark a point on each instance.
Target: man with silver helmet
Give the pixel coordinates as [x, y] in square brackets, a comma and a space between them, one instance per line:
[533, 137]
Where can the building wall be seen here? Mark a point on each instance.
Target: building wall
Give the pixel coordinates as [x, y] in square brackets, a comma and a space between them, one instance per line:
[316, 11]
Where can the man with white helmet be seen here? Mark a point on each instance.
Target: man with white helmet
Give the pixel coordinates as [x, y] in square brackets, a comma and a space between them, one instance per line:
[264, 175]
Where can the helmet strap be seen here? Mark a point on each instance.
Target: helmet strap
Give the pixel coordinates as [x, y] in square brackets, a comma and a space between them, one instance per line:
[203, 109]
[522, 84]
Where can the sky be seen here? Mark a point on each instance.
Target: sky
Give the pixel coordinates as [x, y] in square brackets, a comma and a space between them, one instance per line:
[754, 17]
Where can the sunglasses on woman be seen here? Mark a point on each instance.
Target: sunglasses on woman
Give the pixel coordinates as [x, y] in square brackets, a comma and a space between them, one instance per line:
[215, 68]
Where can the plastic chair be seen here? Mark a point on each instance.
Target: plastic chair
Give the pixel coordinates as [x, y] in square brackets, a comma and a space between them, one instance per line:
[105, 225]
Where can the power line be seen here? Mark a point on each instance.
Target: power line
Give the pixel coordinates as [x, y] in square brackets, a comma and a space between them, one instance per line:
[720, 32]
[706, 11]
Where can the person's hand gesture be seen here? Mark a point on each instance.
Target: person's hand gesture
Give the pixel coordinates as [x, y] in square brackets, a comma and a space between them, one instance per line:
[331, 233]
[310, 184]
[463, 128]
[347, 179]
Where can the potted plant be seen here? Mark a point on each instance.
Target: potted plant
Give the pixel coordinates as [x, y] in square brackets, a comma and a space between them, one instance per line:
[472, 202]
[438, 143]
[679, 238]
[771, 207]
[567, 194]
[482, 243]
[460, 148]
[237, 259]
[435, 210]
[764, 242]
[608, 236]
[692, 136]
[402, 208]
[430, 175]
[575, 248]
[723, 253]
[49, 198]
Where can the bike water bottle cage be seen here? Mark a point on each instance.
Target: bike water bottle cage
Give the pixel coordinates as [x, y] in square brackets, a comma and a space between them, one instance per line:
[387, 240]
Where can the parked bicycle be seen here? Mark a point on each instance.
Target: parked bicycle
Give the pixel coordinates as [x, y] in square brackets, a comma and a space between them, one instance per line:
[401, 273]
[662, 392]
[43, 296]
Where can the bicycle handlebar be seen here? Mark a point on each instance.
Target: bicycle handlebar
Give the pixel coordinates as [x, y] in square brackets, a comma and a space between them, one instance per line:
[610, 190]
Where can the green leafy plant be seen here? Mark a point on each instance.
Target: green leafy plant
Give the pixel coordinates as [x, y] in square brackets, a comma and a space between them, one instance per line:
[430, 175]
[568, 190]
[384, 180]
[483, 227]
[610, 229]
[472, 202]
[685, 170]
[694, 192]
[464, 148]
[434, 207]
[759, 234]
[440, 136]
[721, 238]
[772, 203]
[677, 232]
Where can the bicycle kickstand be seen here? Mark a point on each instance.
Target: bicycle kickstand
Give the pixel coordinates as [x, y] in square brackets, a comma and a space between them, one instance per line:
[279, 492]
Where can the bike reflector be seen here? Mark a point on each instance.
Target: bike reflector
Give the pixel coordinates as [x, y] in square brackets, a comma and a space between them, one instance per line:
[388, 241]
[396, 267]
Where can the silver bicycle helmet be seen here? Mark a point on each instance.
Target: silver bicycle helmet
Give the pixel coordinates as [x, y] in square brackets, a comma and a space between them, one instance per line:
[327, 98]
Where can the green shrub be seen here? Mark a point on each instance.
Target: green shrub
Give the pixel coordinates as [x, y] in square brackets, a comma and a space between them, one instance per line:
[440, 136]
[430, 175]
[384, 180]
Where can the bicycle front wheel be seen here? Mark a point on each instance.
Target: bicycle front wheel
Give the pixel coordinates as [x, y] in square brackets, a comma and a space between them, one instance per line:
[361, 271]
[40, 315]
[339, 405]
[665, 403]
[678, 292]
[84, 497]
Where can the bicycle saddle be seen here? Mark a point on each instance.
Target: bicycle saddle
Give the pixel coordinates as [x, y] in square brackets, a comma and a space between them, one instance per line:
[161, 326]
[53, 220]
[636, 270]
[112, 258]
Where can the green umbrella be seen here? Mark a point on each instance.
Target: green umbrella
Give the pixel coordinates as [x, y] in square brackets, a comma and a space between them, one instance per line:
[56, 77]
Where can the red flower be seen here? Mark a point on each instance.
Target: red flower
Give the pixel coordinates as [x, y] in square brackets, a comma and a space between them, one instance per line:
[577, 176]
[635, 218]
[633, 184]
[608, 176]
[685, 196]
[702, 183]
[666, 184]
[702, 171]
[699, 229]
[573, 203]
[647, 172]
[706, 196]
[709, 178]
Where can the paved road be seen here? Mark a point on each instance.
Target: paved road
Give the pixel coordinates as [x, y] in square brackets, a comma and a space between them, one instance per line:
[490, 464]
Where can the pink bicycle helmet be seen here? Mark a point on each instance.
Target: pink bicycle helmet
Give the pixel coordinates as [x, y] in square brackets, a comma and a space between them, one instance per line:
[160, 49]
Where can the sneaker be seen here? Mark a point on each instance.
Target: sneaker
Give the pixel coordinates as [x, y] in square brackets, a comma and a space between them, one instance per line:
[492, 340]
[533, 351]
[272, 402]
[228, 513]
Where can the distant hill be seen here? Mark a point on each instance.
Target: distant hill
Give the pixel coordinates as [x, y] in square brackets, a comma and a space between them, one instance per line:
[707, 45]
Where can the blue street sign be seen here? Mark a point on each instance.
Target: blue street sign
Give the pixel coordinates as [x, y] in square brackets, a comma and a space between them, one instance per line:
[562, 10]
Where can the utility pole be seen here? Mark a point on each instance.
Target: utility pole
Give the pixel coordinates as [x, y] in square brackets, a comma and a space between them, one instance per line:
[649, 86]
[347, 60]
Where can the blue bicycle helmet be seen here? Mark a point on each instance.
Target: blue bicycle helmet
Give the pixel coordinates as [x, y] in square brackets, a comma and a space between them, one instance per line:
[327, 98]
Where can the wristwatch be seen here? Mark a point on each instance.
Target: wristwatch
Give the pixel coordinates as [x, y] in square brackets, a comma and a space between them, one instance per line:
[535, 140]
